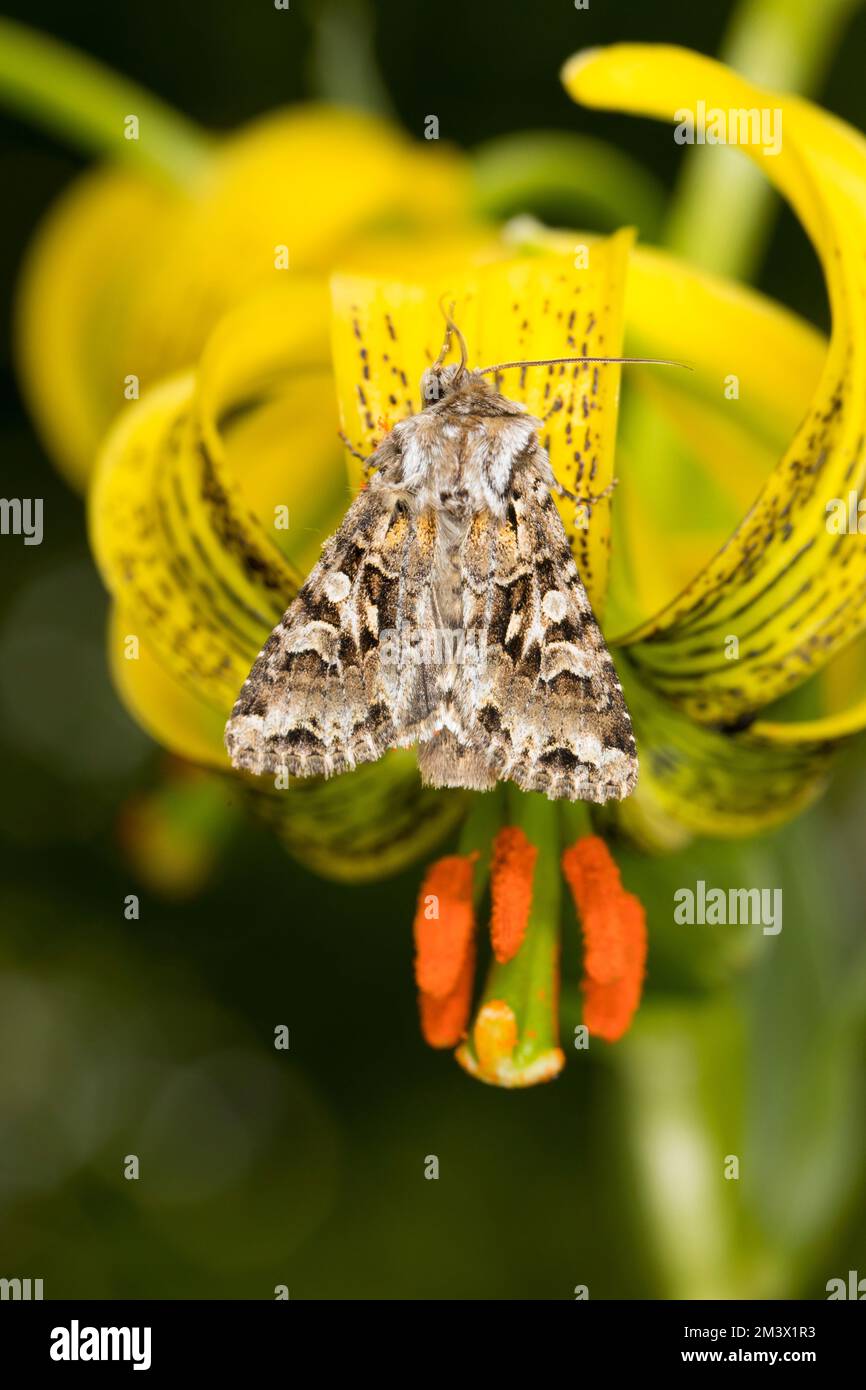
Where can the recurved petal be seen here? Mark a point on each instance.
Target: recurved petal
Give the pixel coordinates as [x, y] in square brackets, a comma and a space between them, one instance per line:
[185, 521]
[87, 264]
[790, 590]
[197, 578]
[176, 715]
[125, 278]
[294, 192]
[368, 824]
[697, 446]
[681, 490]
[715, 782]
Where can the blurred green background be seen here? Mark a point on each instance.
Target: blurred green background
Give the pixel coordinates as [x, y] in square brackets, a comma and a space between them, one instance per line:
[154, 1036]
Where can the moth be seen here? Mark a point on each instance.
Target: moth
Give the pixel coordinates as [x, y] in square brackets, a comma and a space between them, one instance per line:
[447, 612]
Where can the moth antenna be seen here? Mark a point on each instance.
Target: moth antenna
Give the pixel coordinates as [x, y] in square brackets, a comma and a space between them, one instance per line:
[451, 328]
[552, 361]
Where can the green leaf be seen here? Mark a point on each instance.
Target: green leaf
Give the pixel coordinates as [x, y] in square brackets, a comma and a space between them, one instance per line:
[86, 104]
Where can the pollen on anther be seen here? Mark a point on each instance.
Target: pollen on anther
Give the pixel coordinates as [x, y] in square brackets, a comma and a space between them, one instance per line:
[445, 949]
[512, 870]
[593, 877]
[614, 934]
[443, 1021]
[444, 924]
[609, 1008]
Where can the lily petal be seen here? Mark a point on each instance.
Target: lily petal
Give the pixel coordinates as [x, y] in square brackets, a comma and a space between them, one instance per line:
[793, 593]
[199, 577]
[716, 455]
[713, 453]
[88, 260]
[717, 431]
[713, 782]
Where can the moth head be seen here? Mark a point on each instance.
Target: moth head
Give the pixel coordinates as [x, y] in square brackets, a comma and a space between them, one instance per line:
[438, 380]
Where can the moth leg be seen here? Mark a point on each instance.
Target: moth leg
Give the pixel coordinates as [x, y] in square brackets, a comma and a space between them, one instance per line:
[356, 453]
[557, 487]
[592, 498]
[584, 505]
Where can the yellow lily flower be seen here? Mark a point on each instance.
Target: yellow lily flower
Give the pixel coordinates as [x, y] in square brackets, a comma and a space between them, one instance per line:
[202, 532]
[198, 481]
[183, 509]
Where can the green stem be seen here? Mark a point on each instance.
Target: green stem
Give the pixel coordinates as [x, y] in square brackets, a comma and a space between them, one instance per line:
[484, 818]
[343, 67]
[784, 45]
[575, 821]
[530, 981]
[86, 104]
[528, 984]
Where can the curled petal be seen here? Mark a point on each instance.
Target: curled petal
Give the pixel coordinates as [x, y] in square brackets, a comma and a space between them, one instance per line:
[790, 589]
[81, 281]
[718, 782]
[127, 276]
[182, 516]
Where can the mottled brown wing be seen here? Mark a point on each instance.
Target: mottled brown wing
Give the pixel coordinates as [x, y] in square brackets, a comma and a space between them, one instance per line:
[329, 690]
[543, 702]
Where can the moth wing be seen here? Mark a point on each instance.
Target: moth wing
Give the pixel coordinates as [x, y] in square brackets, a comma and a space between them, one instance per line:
[329, 689]
[543, 701]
